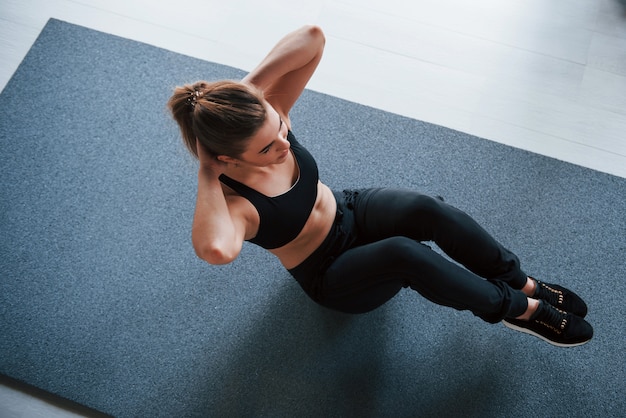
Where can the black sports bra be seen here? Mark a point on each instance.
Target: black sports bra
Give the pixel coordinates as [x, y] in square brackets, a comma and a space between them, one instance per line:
[282, 217]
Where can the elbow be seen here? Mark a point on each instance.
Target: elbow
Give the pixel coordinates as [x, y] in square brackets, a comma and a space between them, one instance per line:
[313, 37]
[317, 34]
[215, 255]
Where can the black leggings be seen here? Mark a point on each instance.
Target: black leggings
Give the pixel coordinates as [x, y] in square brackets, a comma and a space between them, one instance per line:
[374, 249]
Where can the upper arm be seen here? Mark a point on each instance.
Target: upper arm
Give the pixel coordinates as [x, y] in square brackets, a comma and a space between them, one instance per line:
[224, 247]
[286, 70]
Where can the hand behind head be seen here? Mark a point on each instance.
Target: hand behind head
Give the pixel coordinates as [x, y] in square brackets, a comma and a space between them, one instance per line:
[208, 161]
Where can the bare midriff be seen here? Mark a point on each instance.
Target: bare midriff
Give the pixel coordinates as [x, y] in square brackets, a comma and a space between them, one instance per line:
[314, 232]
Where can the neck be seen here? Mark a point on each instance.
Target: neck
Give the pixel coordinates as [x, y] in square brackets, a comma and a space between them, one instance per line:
[243, 170]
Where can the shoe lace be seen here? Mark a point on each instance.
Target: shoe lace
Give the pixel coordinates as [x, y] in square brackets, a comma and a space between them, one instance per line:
[553, 318]
[553, 296]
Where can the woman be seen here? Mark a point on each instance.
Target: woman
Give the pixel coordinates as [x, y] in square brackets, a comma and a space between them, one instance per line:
[350, 251]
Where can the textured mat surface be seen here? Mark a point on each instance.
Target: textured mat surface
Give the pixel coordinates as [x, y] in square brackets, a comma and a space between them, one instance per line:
[102, 300]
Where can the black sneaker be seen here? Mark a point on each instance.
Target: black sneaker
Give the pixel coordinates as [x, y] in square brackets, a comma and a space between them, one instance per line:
[554, 326]
[560, 298]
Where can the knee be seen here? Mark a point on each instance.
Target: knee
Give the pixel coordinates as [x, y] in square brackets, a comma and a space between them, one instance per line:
[401, 250]
[426, 207]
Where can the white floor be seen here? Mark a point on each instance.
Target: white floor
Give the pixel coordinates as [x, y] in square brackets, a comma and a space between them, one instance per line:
[17, 404]
[547, 76]
[543, 75]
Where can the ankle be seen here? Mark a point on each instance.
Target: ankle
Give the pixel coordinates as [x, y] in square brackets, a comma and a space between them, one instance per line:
[533, 305]
[529, 287]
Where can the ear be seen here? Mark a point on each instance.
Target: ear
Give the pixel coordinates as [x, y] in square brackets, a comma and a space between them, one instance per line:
[227, 159]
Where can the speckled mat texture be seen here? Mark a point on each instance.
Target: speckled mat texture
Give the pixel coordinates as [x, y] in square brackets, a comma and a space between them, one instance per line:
[102, 300]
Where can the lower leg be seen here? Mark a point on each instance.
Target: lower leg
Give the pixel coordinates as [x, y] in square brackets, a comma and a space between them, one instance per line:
[423, 218]
[364, 277]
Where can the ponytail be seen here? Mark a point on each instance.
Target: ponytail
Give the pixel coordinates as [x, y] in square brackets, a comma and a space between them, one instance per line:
[222, 115]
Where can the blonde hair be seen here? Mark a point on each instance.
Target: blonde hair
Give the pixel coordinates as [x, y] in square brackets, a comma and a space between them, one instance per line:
[222, 115]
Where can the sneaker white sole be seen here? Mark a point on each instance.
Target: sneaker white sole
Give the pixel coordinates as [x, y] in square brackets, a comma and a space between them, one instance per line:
[549, 341]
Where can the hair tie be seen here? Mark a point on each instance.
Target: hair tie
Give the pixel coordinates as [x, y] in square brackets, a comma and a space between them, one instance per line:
[193, 98]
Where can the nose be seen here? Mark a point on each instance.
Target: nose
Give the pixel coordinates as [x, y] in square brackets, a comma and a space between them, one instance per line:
[284, 144]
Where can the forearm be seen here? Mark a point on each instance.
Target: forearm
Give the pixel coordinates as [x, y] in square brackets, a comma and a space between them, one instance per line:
[296, 50]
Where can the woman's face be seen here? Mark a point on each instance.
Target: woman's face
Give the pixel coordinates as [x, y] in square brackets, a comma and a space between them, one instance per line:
[269, 145]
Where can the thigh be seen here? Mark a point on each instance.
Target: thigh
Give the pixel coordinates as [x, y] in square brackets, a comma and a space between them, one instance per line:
[387, 212]
[383, 213]
[365, 277]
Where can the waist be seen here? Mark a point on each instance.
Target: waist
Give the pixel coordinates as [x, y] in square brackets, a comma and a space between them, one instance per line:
[314, 232]
[339, 238]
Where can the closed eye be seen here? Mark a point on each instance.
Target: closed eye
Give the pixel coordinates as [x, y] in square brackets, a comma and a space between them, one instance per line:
[267, 148]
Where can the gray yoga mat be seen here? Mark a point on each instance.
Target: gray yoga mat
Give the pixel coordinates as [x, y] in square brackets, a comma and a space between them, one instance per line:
[102, 300]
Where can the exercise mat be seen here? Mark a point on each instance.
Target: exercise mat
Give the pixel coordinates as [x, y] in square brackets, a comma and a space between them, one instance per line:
[103, 301]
